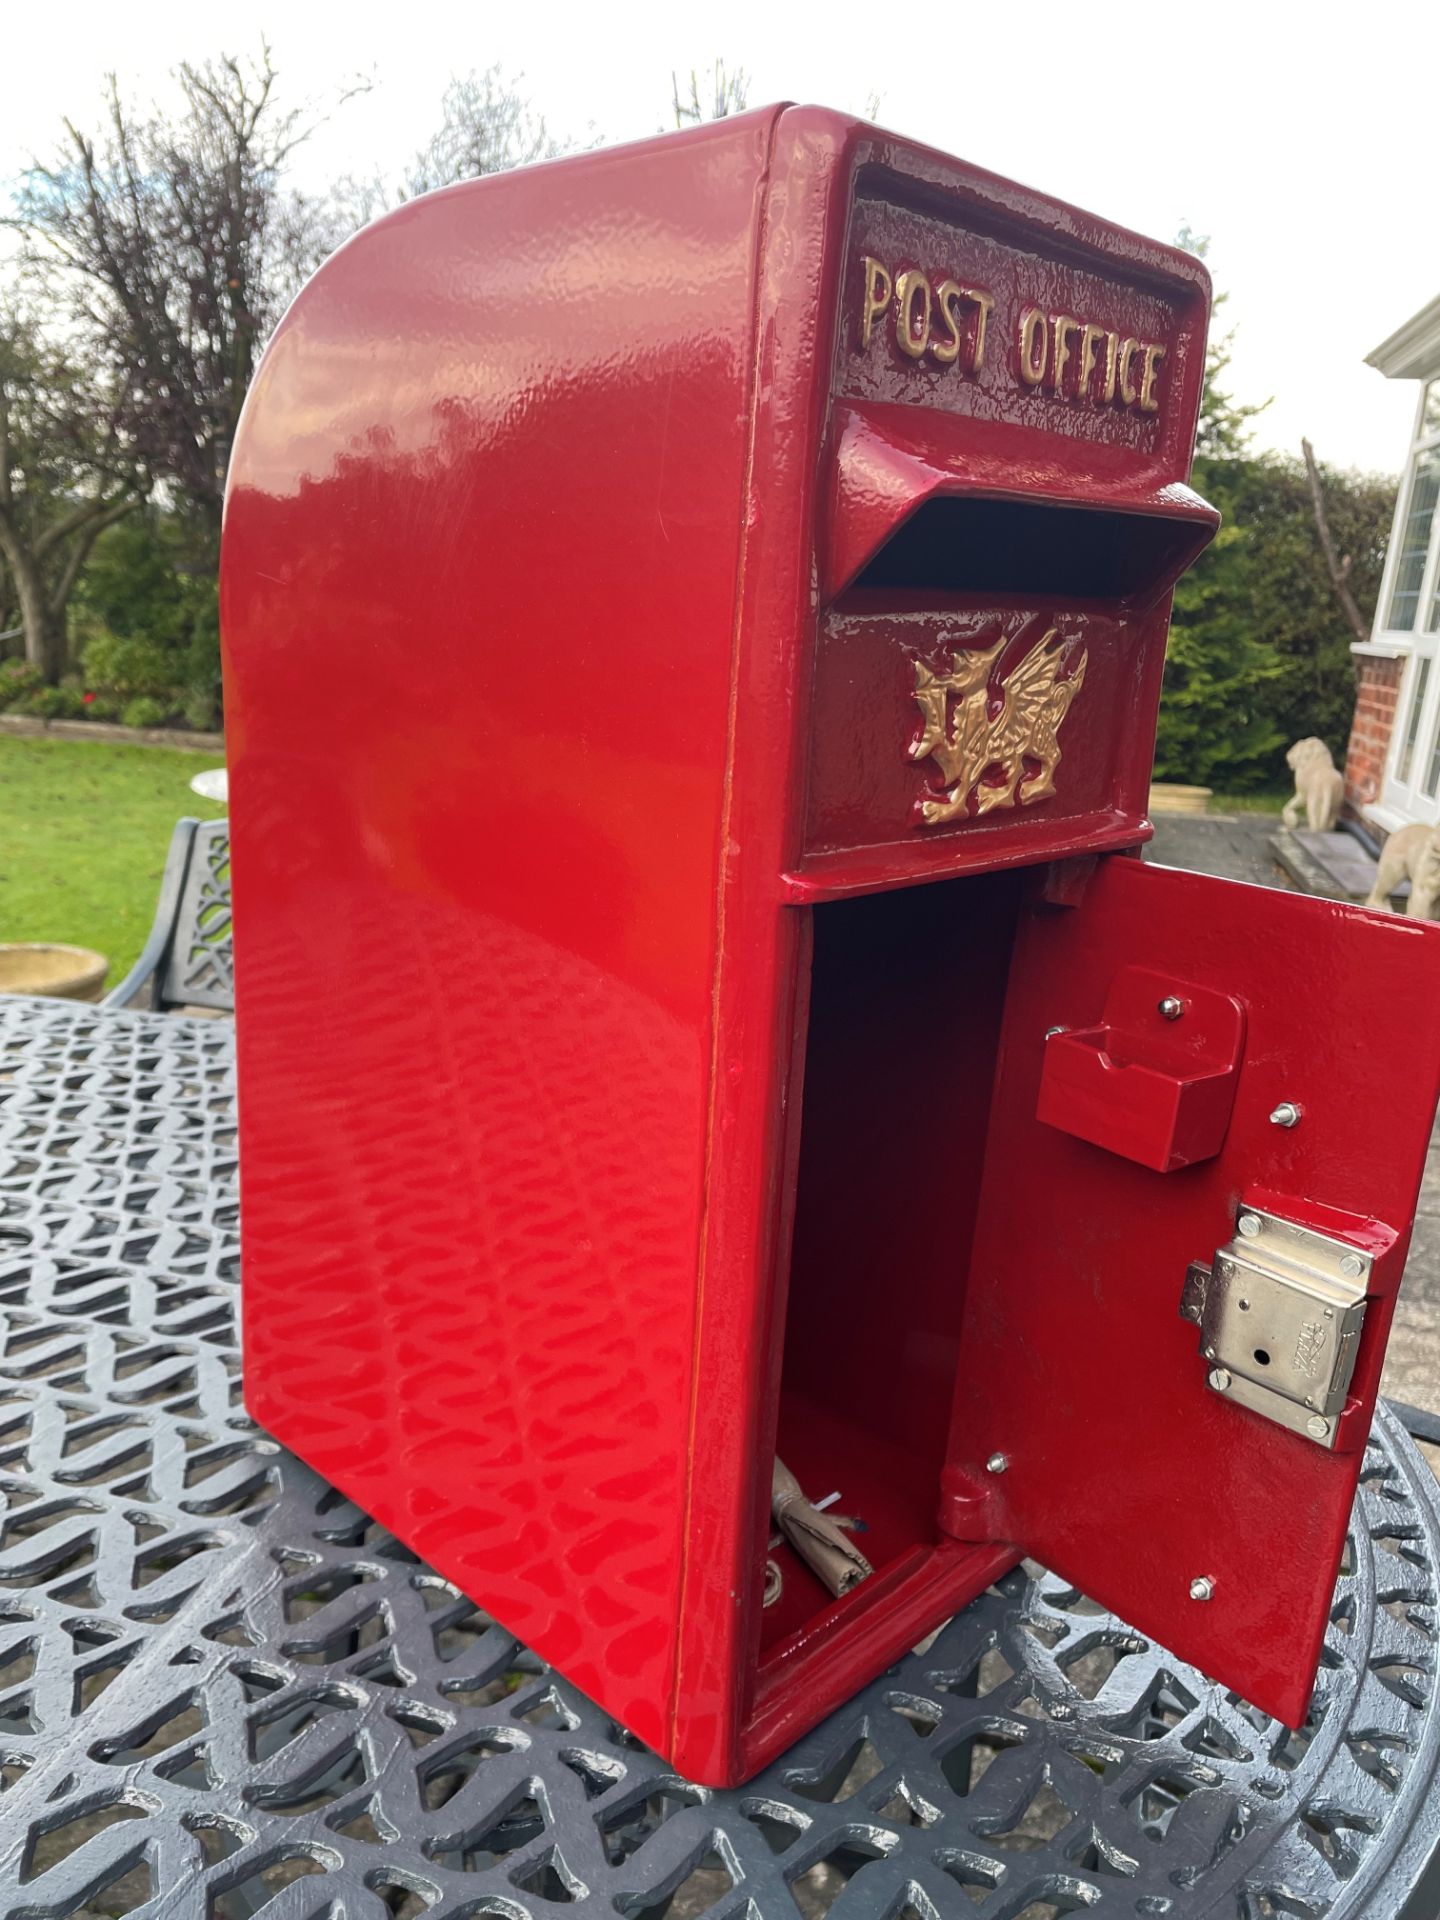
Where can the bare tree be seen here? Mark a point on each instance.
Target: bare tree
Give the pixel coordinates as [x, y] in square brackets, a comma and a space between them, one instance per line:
[486, 126]
[65, 475]
[1339, 564]
[724, 93]
[173, 244]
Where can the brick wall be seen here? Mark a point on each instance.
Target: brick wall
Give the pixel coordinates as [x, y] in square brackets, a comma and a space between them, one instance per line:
[1375, 696]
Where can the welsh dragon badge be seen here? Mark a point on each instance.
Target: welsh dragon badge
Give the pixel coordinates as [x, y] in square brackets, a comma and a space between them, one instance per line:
[967, 740]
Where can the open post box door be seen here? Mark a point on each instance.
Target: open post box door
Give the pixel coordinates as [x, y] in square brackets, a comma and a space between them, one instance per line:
[1211, 1111]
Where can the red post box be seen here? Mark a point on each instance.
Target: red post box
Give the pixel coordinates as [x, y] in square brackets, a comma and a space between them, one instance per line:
[694, 624]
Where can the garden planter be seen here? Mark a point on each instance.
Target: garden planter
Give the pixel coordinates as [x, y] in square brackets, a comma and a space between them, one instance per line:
[49, 968]
[1165, 798]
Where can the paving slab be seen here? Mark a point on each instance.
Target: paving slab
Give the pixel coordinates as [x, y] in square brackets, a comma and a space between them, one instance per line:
[1236, 846]
[1334, 865]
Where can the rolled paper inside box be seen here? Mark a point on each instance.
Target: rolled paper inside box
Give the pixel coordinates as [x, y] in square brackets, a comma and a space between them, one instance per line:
[820, 1541]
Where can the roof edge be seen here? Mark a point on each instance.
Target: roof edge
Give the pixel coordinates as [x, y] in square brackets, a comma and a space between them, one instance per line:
[1413, 351]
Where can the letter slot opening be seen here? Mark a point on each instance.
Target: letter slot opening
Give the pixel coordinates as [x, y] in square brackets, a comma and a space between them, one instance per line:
[957, 544]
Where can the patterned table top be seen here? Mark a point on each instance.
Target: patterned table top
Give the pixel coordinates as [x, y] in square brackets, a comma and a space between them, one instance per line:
[224, 1690]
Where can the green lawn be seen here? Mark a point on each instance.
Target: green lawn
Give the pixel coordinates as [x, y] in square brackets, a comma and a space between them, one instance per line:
[1270, 802]
[84, 830]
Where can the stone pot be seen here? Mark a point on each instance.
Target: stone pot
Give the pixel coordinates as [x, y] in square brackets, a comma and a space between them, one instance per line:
[47, 967]
[1165, 798]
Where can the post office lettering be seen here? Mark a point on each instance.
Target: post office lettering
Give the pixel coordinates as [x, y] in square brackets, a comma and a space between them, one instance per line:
[1061, 355]
[933, 318]
[927, 316]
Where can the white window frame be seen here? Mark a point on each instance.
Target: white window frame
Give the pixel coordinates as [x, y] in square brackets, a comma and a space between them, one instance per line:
[1405, 799]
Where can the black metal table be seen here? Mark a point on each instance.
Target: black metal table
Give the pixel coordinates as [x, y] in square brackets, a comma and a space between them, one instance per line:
[224, 1690]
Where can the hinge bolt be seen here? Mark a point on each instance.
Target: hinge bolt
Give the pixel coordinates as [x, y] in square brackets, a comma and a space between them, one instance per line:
[1249, 1225]
[1317, 1427]
[1171, 1007]
[1352, 1266]
[1203, 1588]
[1219, 1379]
[1287, 1114]
[997, 1463]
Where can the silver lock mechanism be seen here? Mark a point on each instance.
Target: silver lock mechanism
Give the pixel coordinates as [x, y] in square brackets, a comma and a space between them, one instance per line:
[1280, 1310]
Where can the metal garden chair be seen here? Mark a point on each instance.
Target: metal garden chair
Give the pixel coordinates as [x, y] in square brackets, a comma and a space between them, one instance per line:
[187, 960]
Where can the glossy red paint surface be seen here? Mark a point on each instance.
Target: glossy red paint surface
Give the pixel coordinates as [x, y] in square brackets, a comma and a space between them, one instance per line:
[616, 1038]
[1154, 1089]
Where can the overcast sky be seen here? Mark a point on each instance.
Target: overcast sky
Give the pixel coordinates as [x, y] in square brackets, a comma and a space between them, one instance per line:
[1305, 140]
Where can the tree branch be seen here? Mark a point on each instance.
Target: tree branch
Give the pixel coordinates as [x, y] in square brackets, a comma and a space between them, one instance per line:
[60, 592]
[98, 512]
[5, 496]
[1339, 566]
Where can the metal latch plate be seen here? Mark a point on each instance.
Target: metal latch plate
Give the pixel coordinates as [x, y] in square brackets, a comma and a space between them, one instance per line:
[1280, 1311]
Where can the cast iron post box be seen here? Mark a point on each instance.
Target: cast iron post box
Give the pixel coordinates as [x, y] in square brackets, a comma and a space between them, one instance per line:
[694, 623]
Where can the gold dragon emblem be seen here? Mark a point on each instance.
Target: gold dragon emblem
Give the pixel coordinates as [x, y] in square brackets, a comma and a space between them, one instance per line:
[967, 740]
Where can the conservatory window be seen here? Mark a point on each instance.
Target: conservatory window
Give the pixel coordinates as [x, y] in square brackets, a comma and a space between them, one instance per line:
[1411, 604]
[1412, 725]
[1415, 531]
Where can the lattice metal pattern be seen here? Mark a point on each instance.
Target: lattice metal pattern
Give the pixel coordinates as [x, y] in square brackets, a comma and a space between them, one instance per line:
[201, 969]
[224, 1690]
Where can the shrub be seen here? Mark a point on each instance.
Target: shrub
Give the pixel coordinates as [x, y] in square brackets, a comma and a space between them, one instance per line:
[51, 703]
[1259, 651]
[17, 679]
[147, 617]
[103, 706]
[127, 666]
[132, 586]
[144, 711]
[200, 709]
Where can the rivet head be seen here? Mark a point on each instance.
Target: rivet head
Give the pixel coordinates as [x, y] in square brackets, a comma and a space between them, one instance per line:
[1287, 1114]
[1219, 1379]
[1352, 1265]
[997, 1463]
[1050, 1032]
[1171, 1007]
[1202, 1588]
[1318, 1427]
[1249, 1225]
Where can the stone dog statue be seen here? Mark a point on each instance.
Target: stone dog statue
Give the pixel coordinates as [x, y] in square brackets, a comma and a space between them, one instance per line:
[1411, 853]
[1319, 786]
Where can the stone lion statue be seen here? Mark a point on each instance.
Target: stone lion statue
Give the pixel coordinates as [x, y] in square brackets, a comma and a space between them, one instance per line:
[1319, 786]
[1413, 854]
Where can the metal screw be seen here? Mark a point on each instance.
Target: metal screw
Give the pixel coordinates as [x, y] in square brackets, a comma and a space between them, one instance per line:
[1203, 1588]
[1287, 1114]
[997, 1463]
[1352, 1265]
[1317, 1427]
[1219, 1379]
[1249, 1225]
[1171, 1007]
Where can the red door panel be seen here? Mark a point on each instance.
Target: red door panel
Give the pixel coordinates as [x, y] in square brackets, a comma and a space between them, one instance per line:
[1126, 1463]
